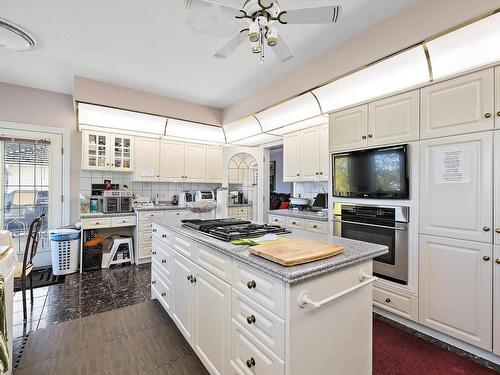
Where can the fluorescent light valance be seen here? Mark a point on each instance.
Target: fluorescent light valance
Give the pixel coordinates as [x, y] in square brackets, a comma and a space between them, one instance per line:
[315, 121]
[241, 129]
[401, 71]
[258, 139]
[469, 47]
[119, 119]
[289, 112]
[195, 131]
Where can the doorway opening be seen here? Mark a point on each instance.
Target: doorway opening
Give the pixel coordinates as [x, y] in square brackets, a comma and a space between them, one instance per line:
[279, 191]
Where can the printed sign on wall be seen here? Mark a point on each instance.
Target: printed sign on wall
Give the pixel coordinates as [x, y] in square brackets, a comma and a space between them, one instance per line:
[452, 164]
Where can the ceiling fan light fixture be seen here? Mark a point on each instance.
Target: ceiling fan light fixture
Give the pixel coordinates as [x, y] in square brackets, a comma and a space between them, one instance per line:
[254, 32]
[272, 37]
[256, 48]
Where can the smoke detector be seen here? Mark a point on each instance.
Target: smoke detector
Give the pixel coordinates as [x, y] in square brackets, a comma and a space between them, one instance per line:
[14, 38]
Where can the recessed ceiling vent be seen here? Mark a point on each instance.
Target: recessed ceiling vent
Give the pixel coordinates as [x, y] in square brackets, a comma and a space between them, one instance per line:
[14, 38]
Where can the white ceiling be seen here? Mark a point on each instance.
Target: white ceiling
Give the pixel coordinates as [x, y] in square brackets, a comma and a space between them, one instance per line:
[161, 47]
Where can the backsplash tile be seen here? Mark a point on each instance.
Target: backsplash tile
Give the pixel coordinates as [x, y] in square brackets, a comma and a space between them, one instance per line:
[309, 189]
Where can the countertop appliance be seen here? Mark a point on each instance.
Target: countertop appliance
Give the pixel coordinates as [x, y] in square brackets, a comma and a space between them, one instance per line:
[384, 225]
[115, 201]
[184, 197]
[374, 173]
[232, 229]
[320, 202]
[204, 196]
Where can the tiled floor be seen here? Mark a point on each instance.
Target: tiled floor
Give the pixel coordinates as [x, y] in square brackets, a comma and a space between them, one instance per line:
[79, 296]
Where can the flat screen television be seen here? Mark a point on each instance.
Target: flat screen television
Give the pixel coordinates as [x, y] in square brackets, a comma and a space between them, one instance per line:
[374, 173]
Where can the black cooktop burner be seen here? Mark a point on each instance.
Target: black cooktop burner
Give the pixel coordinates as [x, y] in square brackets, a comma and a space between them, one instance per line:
[233, 229]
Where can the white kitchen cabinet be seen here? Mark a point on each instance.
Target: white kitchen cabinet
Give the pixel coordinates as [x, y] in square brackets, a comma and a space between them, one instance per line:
[95, 150]
[457, 106]
[456, 187]
[496, 300]
[195, 159]
[496, 187]
[121, 152]
[455, 291]
[147, 159]
[214, 164]
[397, 303]
[291, 157]
[394, 120]
[348, 129]
[212, 321]
[309, 154]
[497, 97]
[182, 295]
[324, 153]
[172, 160]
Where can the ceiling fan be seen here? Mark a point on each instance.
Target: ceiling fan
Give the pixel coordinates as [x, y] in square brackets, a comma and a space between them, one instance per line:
[263, 17]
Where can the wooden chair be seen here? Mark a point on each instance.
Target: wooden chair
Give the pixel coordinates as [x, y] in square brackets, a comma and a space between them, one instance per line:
[23, 270]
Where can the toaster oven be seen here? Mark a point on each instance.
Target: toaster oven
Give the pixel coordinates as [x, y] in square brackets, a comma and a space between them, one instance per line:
[116, 201]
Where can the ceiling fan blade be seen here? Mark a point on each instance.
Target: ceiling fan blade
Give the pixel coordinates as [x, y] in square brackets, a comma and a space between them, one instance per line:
[233, 43]
[282, 50]
[328, 14]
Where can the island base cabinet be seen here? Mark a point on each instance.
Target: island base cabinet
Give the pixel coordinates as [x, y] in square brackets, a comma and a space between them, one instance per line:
[336, 337]
[455, 291]
[496, 300]
[182, 295]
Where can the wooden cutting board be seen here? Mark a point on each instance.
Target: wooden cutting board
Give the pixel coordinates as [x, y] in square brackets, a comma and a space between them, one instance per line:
[296, 251]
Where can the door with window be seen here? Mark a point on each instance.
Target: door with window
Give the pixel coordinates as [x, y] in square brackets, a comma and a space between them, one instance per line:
[31, 184]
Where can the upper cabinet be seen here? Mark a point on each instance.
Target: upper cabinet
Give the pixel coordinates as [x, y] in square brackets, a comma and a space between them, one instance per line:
[195, 159]
[105, 151]
[214, 164]
[497, 97]
[171, 160]
[305, 155]
[348, 129]
[147, 159]
[457, 106]
[393, 120]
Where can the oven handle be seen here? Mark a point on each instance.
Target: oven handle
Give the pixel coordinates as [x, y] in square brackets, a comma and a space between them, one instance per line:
[369, 225]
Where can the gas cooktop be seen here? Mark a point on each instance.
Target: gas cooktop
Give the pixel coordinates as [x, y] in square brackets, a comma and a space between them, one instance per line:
[232, 229]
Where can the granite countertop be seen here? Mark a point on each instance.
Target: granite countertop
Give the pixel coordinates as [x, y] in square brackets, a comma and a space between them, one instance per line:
[159, 208]
[354, 252]
[310, 215]
[240, 204]
[95, 215]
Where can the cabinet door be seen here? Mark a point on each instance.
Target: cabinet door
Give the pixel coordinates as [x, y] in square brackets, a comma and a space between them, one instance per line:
[212, 321]
[456, 288]
[182, 295]
[96, 150]
[146, 159]
[291, 157]
[309, 154]
[348, 129]
[195, 162]
[214, 164]
[393, 120]
[456, 187]
[172, 160]
[324, 154]
[122, 152]
[496, 187]
[458, 106]
[497, 97]
[496, 300]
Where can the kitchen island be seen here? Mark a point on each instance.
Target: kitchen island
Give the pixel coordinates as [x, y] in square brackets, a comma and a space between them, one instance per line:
[243, 314]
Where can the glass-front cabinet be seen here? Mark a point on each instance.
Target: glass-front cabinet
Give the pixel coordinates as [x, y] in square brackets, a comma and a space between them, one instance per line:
[104, 151]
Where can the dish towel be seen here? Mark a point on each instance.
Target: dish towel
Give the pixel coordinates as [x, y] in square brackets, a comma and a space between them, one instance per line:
[4, 350]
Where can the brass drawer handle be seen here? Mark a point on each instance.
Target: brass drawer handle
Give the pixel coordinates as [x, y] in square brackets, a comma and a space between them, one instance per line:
[251, 319]
[497, 230]
[370, 135]
[154, 230]
[497, 261]
[190, 277]
[251, 284]
[388, 300]
[154, 252]
[153, 282]
[363, 137]
[487, 115]
[486, 258]
[486, 229]
[251, 363]
[315, 226]
[163, 294]
[498, 113]
[163, 236]
[164, 261]
[193, 279]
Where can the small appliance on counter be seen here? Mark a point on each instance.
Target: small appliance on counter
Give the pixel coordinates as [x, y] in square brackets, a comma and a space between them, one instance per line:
[116, 201]
[184, 197]
[204, 196]
[320, 202]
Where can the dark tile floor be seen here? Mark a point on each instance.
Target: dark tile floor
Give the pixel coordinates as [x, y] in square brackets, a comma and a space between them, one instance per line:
[79, 296]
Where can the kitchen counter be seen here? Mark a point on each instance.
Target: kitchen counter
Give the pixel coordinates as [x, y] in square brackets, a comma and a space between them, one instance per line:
[310, 215]
[354, 252]
[96, 215]
[240, 204]
[159, 208]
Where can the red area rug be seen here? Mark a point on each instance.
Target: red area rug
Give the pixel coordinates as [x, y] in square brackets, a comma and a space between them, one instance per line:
[396, 352]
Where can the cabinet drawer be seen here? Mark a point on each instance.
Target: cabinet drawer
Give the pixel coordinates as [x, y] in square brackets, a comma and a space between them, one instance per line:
[261, 323]
[249, 356]
[215, 262]
[293, 222]
[104, 222]
[159, 233]
[406, 306]
[162, 259]
[145, 225]
[181, 245]
[147, 216]
[262, 288]
[160, 289]
[123, 221]
[316, 226]
[280, 220]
